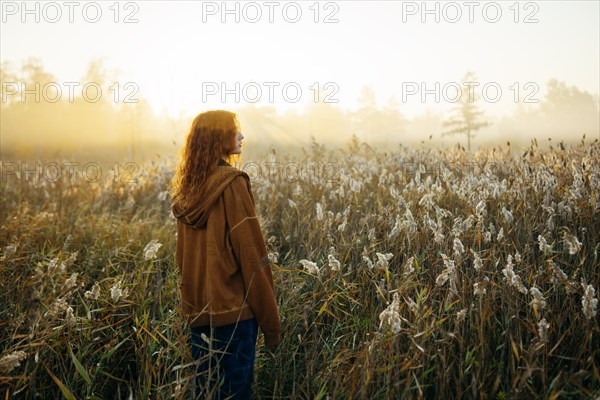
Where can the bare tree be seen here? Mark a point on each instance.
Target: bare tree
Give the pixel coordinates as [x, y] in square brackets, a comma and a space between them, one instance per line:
[467, 117]
[367, 114]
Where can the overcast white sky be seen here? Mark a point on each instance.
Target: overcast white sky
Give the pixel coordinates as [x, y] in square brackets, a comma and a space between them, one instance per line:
[177, 48]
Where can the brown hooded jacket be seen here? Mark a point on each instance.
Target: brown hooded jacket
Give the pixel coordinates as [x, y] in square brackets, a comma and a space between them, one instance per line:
[224, 269]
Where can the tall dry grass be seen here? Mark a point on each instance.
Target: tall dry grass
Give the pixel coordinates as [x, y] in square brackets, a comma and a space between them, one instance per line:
[406, 273]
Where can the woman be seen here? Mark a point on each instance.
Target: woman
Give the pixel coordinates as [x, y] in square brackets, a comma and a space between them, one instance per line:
[226, 284]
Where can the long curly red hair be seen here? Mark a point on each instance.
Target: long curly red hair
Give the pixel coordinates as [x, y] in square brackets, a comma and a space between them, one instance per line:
[211, 136]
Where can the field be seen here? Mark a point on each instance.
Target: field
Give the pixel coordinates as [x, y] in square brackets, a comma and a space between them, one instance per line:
[406, 273]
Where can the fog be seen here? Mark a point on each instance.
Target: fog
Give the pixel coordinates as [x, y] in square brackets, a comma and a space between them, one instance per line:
[37, 122]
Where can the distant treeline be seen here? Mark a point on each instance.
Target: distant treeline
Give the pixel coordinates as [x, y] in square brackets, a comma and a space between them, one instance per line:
[40, 115]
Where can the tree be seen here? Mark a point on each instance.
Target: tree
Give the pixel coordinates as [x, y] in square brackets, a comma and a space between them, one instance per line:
[562, 101]
[393, 122]
[467, 118]
[367, 115]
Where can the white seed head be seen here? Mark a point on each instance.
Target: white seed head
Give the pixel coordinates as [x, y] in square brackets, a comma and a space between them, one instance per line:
[12, 361]
[151, 249]
[543, 327]
[538, 299]
[390, 317]
[310, 267]
[333, 263]
[588, 302]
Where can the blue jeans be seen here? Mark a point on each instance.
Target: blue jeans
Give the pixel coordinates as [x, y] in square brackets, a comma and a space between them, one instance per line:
[225, 357]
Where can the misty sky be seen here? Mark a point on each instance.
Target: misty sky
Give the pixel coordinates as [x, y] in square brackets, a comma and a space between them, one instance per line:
[170, 52]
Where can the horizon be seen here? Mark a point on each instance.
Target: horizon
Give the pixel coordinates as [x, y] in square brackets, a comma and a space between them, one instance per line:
[381, 70]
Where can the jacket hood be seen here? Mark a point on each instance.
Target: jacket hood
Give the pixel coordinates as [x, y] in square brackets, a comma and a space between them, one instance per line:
[197, 214]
